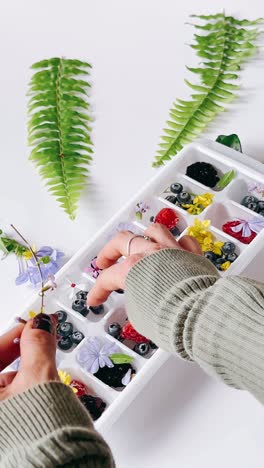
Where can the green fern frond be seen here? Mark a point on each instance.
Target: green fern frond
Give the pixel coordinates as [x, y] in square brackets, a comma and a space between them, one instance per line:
[223, 47]
[59, 128]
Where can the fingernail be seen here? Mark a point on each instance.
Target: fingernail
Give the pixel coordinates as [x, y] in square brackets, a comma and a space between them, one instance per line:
[20, 320]
[43, 322]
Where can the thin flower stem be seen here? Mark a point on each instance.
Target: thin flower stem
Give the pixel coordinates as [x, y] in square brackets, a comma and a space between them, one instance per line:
[37, 265]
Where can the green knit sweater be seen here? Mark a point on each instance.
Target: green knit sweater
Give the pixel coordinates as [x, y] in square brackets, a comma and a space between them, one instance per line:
[179, 301]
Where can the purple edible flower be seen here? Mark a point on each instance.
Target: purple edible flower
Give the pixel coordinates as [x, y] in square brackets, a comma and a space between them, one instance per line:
[93, 354]
[28, 271]
[247, 227]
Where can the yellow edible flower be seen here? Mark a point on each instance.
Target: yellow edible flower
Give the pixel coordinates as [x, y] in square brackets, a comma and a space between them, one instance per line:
[27, 255]
[225, 266]
[66, 379]
[217, 248]
[32, 314]
[205, 238]
[205, 199]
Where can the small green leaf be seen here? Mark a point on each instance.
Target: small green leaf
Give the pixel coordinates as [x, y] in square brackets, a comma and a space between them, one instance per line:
[3, 247]
[45, 259]
[232, 141]
[121, 358]
[138, 214]
[226, 179]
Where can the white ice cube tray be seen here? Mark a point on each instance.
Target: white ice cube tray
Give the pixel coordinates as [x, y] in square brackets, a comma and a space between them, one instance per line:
[226, 206]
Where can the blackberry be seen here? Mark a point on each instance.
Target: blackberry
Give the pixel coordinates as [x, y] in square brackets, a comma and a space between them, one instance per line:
[113, 376]
[204, 173]
[94, 405]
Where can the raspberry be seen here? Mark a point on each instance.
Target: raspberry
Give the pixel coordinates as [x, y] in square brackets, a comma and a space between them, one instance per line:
[238, 235]
[167, 217]
[80, 387]
[129, 333]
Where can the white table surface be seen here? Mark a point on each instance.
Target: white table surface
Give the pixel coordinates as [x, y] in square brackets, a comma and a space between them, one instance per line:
[183, 418]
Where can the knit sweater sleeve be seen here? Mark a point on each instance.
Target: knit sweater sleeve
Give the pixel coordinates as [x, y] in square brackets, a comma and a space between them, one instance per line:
[180, 302]
[47, 426]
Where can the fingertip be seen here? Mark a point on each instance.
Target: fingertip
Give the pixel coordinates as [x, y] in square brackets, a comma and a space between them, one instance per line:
[190, 244]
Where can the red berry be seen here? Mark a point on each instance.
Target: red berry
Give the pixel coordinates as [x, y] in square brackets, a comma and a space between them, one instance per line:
[167, 217]
[80, 387]
[238, 235]
[129, 333]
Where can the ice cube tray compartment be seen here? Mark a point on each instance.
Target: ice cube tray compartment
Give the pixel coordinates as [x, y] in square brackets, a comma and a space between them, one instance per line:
[242, 186]
[200, 155]
[119, 315]
[226, 204]
[220, 213]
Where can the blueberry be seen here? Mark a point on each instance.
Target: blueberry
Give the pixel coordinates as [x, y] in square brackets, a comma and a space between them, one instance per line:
[153, 345]
[119, 291]
[261, 205]
[114, 329]
[228, 247]
[65, 343]
[81, 295]
[252, 206]
[232, 257]
[97, 310]
[171, 199]
[175, 231]
[218, 262]
[184, 197]
[80, 306]
[248, 199]
[176, 188]
[210, 255]
[77, 337]
[61, 316]
[65, 329]
[152, 219]
[142, 349]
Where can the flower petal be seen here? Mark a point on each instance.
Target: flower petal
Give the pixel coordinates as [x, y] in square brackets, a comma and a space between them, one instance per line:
[127, 377]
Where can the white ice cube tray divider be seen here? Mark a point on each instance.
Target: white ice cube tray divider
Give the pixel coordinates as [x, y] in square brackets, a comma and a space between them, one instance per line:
[225, 206]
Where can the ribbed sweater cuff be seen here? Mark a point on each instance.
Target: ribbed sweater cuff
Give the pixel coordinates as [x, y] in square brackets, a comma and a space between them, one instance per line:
[161, 289]
[39, 411]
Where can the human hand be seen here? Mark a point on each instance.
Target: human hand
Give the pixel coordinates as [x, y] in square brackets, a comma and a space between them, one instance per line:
[37, 350]
[114, 275]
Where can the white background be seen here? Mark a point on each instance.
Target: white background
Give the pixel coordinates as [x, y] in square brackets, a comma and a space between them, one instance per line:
[138, 51]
